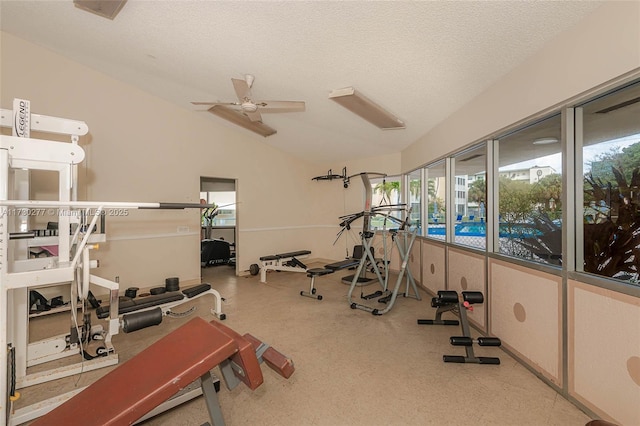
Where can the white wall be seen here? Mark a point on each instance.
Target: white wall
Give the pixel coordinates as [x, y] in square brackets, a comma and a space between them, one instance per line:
[141, 148]
[603, 46]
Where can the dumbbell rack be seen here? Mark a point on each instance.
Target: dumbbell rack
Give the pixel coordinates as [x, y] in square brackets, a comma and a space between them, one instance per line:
[448, 300]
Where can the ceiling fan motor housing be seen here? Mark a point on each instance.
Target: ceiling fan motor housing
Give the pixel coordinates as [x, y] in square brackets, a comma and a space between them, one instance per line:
[248, 106]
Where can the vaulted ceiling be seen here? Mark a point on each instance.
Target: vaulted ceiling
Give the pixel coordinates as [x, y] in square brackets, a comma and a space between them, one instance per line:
[421, 60]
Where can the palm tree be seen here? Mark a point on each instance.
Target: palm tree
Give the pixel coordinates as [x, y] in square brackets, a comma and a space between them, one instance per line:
[477, 192]
[386, 189]
[414, 187]
[432, 188]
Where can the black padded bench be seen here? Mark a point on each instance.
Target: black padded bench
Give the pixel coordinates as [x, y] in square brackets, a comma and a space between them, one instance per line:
[328, 269]
[283, 262]
[286, 255]
[343, 264]
[169, 299]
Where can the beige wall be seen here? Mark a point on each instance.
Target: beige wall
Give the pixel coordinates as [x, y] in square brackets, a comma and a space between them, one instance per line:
[601, 47]
[525, 313]
[604, 351]
[467, 272]
[415, 262]
[141, 148]
[433, 266]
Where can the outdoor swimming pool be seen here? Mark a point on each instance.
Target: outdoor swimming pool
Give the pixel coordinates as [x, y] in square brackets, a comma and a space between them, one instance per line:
[479, 229]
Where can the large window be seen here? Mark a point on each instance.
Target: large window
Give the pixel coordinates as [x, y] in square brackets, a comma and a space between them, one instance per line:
[610, 210]
[530, 192]
[471, 197]
[386, 192]
[414, 197]
[435, 203]
[525, 214]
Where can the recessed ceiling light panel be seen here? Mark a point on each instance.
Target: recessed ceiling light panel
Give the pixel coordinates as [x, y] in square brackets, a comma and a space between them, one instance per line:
[105, 8]
[360, 105]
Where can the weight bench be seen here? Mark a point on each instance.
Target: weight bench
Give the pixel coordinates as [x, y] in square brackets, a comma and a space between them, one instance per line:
[159, 372]
[283, 262]
[165, 301]
[328, 269]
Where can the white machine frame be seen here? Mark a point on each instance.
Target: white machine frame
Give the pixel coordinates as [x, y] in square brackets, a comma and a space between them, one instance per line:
[279, 262]
[18, 153]
[18, 272]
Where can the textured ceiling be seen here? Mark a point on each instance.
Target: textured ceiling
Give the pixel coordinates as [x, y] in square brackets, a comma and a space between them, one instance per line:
[420, 60]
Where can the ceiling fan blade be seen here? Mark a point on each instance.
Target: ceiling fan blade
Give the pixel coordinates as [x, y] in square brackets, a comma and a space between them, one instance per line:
[243, 91]
[253, 116]
[216, 103]
[281, 106]
[242, 120]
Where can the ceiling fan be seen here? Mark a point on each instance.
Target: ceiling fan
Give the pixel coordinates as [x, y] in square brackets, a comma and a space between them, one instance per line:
[246, 112]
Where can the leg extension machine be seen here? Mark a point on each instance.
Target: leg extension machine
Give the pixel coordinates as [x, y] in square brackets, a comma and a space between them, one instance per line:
[448, 301]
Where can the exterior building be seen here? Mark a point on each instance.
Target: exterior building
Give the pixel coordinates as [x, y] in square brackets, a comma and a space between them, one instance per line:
[531, 174]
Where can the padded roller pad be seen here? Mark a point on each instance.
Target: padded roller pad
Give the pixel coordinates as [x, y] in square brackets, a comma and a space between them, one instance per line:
[277, 361]
[245, 357]
[194, 291]
[448, 296]
[489, 341]
[472, 297]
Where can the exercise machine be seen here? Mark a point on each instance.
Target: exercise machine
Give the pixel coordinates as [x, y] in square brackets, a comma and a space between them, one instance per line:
[214, 252]
[80, 230]
[288, 262]
[328, 269]
[448, 301]
[403, 240]
[134, 389]
[165, 301]
[331, 176]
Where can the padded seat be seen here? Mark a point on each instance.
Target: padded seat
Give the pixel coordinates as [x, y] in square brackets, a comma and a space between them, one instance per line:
[151, 377]
[343, 264]
[294, 253]
[316, 272]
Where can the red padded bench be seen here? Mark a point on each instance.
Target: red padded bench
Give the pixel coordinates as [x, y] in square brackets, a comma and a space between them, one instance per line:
[160, 371]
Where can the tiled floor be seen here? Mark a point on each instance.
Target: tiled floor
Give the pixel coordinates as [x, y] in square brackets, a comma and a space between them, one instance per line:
[352, 368]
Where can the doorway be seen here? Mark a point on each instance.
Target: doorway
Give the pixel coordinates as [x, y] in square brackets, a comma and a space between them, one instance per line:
[218, 225]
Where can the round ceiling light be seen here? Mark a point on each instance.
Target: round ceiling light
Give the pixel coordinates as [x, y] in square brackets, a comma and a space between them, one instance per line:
[545, 141]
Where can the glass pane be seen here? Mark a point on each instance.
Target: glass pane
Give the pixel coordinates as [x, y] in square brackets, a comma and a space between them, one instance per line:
[611, 167]
[414, 197]
[470, 197]
[436, 196]
[385, 192]
[530, 193]
[225, 214]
